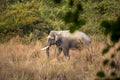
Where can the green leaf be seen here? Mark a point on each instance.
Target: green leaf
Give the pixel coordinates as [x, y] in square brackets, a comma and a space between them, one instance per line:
[115, 37]
[107, 26]
[68, 17]
[101, 74]
[71, 3]
[113, 55]
[105, 62]
[113, 74]
[72, 29]
[105, 50]
[118, 78]
[79, 7]
[112, 64]
[57, 1]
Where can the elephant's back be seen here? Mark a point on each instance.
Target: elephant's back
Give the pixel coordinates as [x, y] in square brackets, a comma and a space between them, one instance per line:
[85, 38]
[76, 35]
[81, 36]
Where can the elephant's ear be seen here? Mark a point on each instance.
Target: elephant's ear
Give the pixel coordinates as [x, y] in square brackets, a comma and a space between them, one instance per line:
[59, 42]
[56, 37]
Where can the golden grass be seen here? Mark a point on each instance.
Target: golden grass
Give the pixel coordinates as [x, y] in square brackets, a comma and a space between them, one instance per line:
[26, 62]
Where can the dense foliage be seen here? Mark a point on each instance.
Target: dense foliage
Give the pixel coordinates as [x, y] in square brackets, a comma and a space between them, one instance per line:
[33, 19]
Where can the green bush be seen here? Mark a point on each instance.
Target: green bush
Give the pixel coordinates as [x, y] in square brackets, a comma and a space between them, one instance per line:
[39, 17]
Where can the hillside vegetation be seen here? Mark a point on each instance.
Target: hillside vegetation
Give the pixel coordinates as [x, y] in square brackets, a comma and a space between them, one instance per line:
[33, 19]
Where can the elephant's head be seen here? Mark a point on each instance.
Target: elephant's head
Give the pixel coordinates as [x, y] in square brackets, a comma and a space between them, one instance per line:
[52, 39]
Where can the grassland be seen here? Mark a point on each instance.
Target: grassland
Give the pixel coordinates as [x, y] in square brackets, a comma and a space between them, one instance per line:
[32, 20]
[26, 62]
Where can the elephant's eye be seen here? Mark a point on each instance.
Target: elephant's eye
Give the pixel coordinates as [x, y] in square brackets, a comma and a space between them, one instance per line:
[58, 42]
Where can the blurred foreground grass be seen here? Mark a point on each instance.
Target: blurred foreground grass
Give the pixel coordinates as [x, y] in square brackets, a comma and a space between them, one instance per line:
[26, 62]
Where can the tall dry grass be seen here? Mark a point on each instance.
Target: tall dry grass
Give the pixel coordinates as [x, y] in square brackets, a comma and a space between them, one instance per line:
[26, 62]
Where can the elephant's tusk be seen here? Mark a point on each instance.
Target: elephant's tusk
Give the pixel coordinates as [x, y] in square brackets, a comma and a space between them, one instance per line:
[44, 48]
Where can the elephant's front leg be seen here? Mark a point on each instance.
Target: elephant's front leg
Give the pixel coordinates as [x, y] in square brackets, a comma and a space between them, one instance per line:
[58, 51]
[66, 53]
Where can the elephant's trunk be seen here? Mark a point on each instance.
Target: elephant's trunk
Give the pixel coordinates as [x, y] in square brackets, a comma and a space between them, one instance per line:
[47, 48]
[47, 51]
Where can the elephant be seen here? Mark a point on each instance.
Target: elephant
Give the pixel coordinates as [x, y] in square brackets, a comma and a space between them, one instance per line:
[64, 41]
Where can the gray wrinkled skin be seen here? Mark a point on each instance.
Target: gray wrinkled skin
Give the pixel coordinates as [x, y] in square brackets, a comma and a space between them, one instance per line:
[64, 40]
